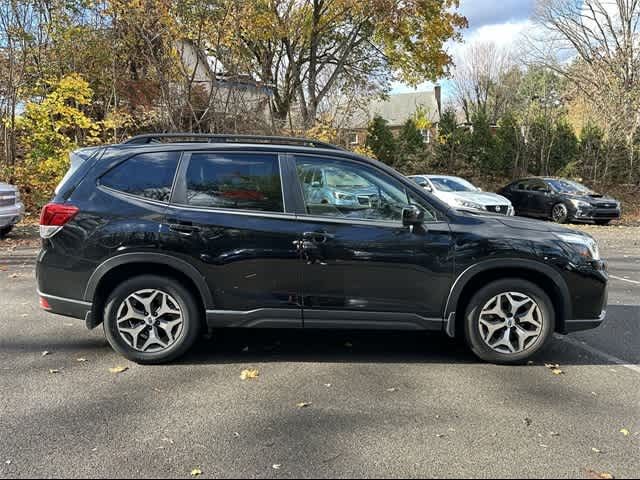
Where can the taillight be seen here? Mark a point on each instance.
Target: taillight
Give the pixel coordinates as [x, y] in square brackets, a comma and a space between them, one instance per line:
[54, 216]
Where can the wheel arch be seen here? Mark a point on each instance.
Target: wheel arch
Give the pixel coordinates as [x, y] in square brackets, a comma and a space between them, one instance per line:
[480, 274]
[114, 270]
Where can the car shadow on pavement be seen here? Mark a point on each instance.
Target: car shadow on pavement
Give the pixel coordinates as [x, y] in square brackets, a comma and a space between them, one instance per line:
[345, 346]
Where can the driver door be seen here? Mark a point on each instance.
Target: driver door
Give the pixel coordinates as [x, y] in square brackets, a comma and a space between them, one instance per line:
[362, 267]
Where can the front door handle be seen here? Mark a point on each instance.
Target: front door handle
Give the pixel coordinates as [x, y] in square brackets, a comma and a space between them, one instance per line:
[316, 237]
[184, 229]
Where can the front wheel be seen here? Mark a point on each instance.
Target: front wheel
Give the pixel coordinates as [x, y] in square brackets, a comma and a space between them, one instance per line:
[151, 320]
[560, 213]
[508, 321]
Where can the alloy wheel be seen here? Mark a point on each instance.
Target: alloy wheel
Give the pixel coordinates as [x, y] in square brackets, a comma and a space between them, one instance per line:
[150, 321]
[559, 213]
[511, 323]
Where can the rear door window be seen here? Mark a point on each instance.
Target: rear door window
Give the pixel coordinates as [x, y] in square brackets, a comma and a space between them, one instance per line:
[148, 175]
[242, 181]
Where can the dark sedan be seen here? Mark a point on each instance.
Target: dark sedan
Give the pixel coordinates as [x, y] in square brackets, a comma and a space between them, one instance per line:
[560, 200]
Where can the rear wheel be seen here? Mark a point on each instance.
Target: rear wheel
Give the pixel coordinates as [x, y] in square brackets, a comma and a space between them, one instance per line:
[508, 321]
[560, 213]
[151, 320]
[4, 231]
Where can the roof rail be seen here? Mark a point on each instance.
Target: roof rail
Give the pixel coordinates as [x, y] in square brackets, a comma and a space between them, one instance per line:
[230, 138]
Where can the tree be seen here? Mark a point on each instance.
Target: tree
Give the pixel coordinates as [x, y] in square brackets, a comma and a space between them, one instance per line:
[484, 80]
[453, 142]
[602, 37]
[306, 49]
[410, 140]
[482, 147]
[380, 141]
[509, 145]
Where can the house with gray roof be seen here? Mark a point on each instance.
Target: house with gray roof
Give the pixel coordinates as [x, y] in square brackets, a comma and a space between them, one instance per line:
[396, 109]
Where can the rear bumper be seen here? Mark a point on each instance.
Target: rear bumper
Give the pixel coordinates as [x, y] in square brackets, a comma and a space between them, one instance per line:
[579, 325]
[67, 307]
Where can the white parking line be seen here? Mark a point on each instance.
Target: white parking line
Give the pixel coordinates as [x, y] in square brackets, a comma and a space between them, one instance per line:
[625, 279]
[599, 353]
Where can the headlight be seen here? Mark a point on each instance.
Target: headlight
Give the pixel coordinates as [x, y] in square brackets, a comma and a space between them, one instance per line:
[580, 204]
[586, 247]
[467, 204]
[343, 196]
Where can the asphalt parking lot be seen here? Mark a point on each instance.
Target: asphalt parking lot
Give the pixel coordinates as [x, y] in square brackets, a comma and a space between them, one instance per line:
[378, 405]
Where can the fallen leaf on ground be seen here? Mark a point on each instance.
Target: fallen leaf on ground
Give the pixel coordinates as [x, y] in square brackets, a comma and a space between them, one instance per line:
[45, 353]
[249, 374]
[276, 466]
[14, 275]
[8, 462]
[554, 434]
[625, 432]
[528, 422]
[81, 360]
[328, 385]
[118, 370]
[393, 389]
[599, 475]
[596, 450]
[303, 404]
[196, 472]
[440, 435]
[53, 371]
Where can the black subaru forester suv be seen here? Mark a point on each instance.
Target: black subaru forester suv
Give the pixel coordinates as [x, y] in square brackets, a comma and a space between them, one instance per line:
[165, 236]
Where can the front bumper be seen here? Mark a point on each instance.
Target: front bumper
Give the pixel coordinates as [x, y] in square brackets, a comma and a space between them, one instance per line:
[594, 214]
[580, 325]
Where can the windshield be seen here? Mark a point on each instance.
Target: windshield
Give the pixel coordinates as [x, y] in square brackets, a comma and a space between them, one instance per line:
[341, 179]
[445, 184]
[567, 186]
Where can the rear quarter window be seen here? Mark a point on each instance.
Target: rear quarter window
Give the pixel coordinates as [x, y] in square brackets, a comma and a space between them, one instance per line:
[148, 175]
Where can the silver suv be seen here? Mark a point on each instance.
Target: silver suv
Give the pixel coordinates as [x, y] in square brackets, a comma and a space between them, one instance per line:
[11, 208]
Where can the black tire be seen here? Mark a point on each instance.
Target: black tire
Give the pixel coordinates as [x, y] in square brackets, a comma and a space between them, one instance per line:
[473, 334]
[4, 231]
[603, 222]
[191, 316]
[560, 213]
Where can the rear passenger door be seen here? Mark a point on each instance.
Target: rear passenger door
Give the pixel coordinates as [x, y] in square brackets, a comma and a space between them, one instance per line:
[228, 217]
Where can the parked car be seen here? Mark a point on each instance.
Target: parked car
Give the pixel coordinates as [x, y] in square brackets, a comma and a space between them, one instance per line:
[127, 244]
[11, 208]
[332, 188]
[460, 193]
[561, 200]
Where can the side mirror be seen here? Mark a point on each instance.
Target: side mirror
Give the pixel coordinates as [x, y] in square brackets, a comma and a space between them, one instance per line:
[412, 215]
